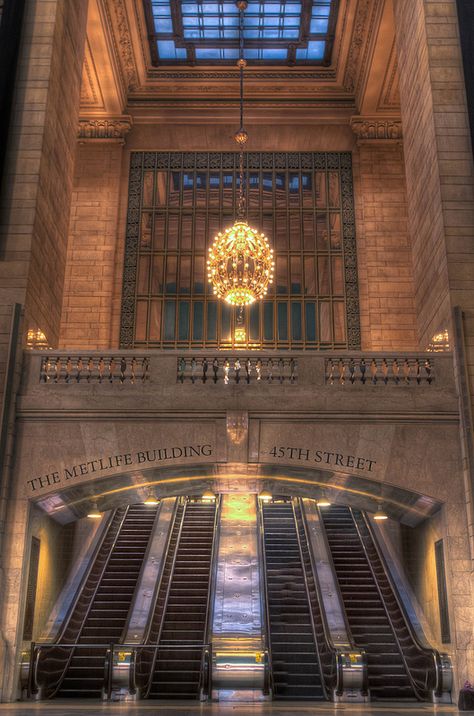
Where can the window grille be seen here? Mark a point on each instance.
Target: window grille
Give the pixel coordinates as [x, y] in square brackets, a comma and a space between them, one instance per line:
[177, 204]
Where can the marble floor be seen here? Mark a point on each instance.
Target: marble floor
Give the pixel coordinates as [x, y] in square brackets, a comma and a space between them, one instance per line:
[75, 708]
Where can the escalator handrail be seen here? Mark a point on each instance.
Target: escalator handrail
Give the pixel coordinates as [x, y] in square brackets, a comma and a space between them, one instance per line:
[265, 609]
[91, 601]
[142, 568]
[415, 686]
[146, 635]
[308, 595]
[204, 685]
[430, 652]
[184, 502]
[327, 636]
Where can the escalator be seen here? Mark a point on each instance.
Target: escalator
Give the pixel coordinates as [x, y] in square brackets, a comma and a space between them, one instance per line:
[100, 613]
[295, 663]
[398, 667]
[180, 619]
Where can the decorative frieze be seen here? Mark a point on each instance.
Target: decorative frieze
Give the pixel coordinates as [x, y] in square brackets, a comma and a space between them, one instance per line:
[104, 128]
[377, 128]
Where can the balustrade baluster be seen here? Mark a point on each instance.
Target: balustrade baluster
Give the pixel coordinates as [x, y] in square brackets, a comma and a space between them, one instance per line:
[79, 367]
[373, 370]
[111, 369]
[57, 370]
[396, 371]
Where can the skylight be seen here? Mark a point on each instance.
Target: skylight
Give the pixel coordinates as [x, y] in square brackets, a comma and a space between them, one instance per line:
[287, 32]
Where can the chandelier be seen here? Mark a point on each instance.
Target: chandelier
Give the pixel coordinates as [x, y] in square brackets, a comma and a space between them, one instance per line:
[240, 265]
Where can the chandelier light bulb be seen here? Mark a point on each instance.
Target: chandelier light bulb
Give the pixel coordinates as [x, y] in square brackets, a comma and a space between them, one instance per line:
[247, 269]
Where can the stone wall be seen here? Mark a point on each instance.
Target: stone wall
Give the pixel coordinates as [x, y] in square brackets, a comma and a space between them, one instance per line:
[387, 294]
[34, 215]
[38, 178]
[439, 166]
[56, 543]
[88, 290]
[92, 300]
[419, 560]
[440, 184]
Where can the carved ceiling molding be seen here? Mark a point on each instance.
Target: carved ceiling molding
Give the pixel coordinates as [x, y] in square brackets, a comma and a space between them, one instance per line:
[116, 13]
[364, 25]
[91, 95]
[390, 95]
[104, 128]
[377, 129]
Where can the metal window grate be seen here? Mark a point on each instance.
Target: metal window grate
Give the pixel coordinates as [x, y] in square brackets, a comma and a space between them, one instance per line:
[178, 202]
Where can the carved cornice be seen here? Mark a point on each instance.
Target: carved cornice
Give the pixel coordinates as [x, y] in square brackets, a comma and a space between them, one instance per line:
[117, 17]
[380, 129]
[390, 95]
[362, 28]
[104, 128]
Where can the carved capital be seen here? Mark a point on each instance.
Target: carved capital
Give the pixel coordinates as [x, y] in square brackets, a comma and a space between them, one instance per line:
[104, 129]
[386, 129]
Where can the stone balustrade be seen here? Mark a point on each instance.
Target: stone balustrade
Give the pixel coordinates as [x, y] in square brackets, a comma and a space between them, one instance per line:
[342, 370]
[94, 369]
[380, 370]
[237, 369]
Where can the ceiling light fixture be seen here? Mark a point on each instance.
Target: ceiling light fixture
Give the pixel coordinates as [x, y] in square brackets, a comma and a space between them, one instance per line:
[208, 496]
[94, 513]
[323, 501]
[151, 499]
[240, 265]
[380, 514]
[265, 496]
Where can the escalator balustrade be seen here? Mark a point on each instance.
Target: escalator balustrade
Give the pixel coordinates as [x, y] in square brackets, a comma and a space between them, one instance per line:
[101, 612]
[377, 623]
[179, 624]
[294, 657]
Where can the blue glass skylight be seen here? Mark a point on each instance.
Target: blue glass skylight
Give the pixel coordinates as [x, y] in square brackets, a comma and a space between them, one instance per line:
[285, 32]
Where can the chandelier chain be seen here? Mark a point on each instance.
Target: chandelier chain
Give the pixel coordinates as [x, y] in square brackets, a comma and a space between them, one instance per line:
[241, 208]
[240, 265]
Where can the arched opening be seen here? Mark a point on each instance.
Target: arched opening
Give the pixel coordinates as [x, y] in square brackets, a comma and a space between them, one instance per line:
[186, 526]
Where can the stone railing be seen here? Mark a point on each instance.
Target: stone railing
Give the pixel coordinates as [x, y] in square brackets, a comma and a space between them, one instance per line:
[96, 369]
[379, 371]
[236, 369]
[168, 368]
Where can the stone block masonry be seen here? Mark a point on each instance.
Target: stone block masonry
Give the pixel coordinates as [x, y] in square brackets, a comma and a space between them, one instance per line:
[89, 283]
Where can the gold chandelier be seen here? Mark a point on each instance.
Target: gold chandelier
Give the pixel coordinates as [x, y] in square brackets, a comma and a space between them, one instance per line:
[240, 265]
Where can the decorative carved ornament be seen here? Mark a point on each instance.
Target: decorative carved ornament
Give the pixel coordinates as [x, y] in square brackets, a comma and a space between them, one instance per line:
[363, 29]
[117, 17]
[104, 128]
[375, 128]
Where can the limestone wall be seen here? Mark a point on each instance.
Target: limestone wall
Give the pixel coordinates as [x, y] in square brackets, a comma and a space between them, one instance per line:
[56, 548]
[90, 268]
[98, 217]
